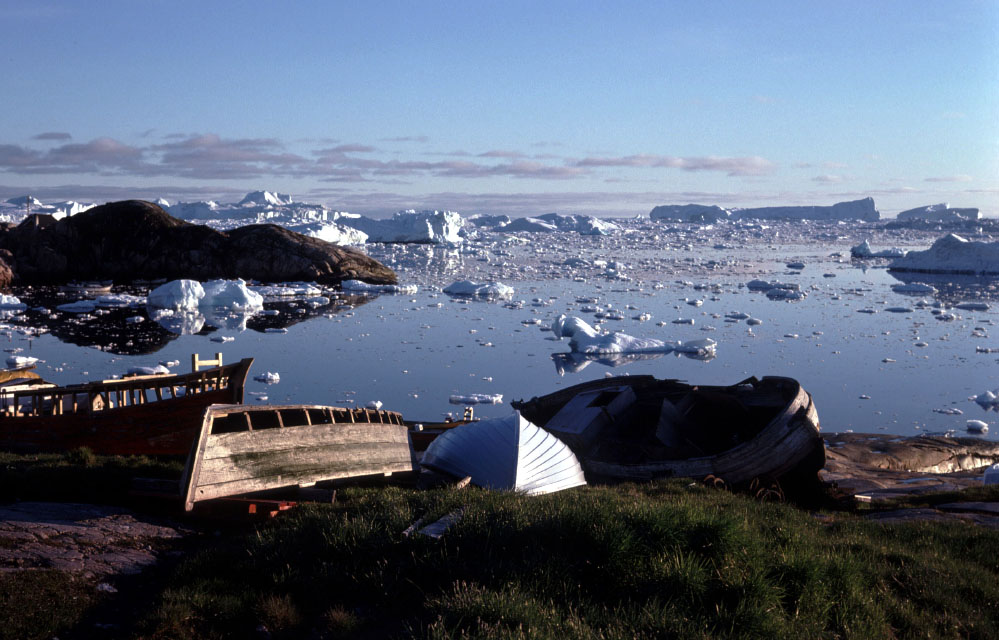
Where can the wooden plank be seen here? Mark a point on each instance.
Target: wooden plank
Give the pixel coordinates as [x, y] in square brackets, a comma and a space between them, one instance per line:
[292, 478]
[290, 438]
[331, 456]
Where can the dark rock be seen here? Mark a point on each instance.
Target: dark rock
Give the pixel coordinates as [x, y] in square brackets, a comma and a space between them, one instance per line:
[6, 273]
[133, 239]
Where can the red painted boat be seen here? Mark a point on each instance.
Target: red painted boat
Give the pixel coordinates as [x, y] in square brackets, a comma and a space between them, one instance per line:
[148, 414]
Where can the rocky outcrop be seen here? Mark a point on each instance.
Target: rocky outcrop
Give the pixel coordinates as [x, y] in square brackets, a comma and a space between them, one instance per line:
[6, 274]
[133, 239]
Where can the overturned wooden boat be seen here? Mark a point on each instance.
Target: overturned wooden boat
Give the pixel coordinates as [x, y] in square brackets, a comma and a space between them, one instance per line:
[640, 427]
[244, 449]
[141, 414]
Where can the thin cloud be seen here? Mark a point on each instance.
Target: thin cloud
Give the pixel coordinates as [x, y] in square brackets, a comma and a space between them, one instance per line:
[828, 179]
[499, 153]
[957, 178]
[52, 135]
[745, 166]
[406, 139]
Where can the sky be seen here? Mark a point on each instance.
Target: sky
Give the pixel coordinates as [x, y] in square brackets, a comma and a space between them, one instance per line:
[514, 107]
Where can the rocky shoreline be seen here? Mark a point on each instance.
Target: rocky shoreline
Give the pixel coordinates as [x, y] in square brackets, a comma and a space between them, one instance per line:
[133, 239]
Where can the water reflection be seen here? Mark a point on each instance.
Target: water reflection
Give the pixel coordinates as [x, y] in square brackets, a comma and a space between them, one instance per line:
[576, 362]
[131, 330]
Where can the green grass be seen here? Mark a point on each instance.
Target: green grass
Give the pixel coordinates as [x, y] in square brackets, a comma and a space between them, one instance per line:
[659, 560]
[79, 476]
[650, 561]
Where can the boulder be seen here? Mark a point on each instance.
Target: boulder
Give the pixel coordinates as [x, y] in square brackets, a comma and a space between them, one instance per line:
[133, 239]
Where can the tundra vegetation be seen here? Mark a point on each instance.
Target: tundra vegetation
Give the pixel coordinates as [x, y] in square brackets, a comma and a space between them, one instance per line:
[663, 559]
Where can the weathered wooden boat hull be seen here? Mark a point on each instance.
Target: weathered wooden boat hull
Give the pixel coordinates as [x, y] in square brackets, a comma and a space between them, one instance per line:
[248, 448]
[150, 415]
[788, 444]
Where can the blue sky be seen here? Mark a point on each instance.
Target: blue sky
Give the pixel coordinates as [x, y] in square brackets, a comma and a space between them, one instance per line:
[504, 107]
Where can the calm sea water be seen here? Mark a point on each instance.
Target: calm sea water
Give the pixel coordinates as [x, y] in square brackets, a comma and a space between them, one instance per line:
[897, 372]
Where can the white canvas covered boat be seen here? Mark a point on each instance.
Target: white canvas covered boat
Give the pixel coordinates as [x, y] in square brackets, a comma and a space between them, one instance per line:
[506, 453]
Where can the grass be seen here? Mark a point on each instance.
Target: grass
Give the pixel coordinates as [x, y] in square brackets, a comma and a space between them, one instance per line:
[650, 561]
[659, 560]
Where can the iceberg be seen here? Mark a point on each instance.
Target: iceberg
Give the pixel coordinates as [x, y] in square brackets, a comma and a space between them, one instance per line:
[863, 250]
[940, 213]
[862, 209]
[952, 254]
[689, 213]
[470, 289]
[427, 227]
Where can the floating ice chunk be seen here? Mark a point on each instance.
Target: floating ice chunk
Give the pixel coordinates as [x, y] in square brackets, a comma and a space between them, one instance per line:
[477, 398]
[21, 362]
[120, 300]
[785, 292]
[374, 404]
[231, 294]
[703, 346]
[899, 309]
[987, 399]
[914, 287]
[952, 254]
[759, 285]
[364, 287]
[977, 426]
[737, 315]
[11, 303]
[148, 371]
[179, 295]
[863, 250]
[288, 290]
[275, 330]
[135, 319]
[268, 377]
[80, 306]
[222, 338]
[972, 306]
[795, 265]
[753, 321]
[564, 327]
[684, 321]
[479, 290]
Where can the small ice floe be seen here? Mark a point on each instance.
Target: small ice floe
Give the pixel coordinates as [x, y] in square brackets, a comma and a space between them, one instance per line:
[684, 321]
[864, 396]
[374, 405]
[222, 338]
[268, 377]
[170, 363]
[80, 306]
[987, 399]
[288, 290]
[867, 310]
[786, 291]
[899, 309]
[642, 317]
[275, 330]
[701, 347]
[467, 288]
[949, 411]
[977, 426]
[791, 335]
[148, 371]
[917, 288]
[21, 362]
[863, 250]
[120, 300]
[695, 303]
[759, 285]
[363, 287]
[887, 360]
[476, 398]
[737, 315]
[795, 265]
[753, 321]
[972, 306]
[135, 319]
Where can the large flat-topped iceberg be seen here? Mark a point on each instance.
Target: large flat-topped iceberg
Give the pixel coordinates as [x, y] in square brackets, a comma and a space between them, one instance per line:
[428, 227]
[940, 213]
[854, 210]
[265, 198]
[952, 254]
